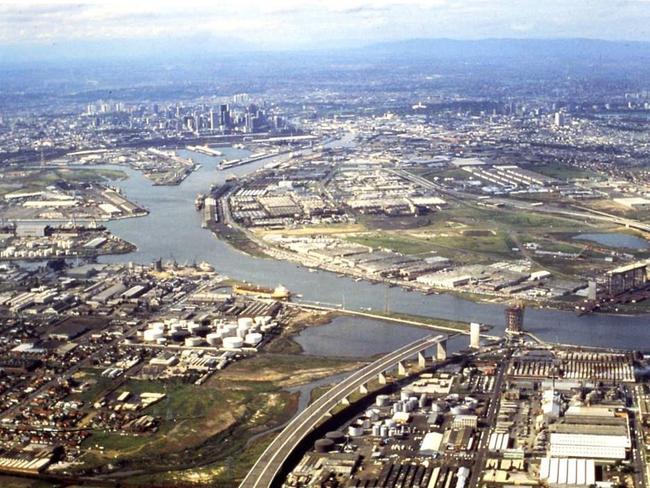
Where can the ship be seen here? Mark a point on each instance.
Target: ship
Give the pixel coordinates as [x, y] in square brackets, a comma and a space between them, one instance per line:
[199, 201]
[205, 266]
[278, 293]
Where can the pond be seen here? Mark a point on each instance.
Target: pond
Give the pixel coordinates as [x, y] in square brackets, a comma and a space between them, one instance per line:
[615, 239]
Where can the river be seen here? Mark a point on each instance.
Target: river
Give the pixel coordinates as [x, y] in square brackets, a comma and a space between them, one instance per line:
[173, 230]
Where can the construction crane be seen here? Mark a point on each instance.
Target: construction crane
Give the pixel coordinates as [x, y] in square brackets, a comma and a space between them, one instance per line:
[587, 247]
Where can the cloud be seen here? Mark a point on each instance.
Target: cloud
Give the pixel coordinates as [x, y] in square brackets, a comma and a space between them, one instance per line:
[296, 23]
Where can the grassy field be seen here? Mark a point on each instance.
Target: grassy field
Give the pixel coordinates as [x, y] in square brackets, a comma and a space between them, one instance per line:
[15, 482]
[193, 418]
[205, 429]
[560, 171]
[38, 179]
[398, 242]
[285, 369]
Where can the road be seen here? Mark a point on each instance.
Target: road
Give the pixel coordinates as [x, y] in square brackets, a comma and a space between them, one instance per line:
[636, 431]
[490, 420]
[267, 467]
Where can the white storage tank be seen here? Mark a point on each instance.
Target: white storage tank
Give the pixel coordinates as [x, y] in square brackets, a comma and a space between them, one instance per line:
[246, 322]
[232, 342]
[193, 341]
[372, 414]
[355, 431]
[243, 328]
[253, 338]
[214, 339]
[382, 400]
[157, 326]
[151, 335]
[230, 330]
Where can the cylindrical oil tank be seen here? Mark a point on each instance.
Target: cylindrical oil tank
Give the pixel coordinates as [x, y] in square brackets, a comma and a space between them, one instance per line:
[246, 322]
[355, 431]
[150, 335]
[193, 341]
[382, 400]
[253, 338]
[213, 339]
[232, 342]
[180, 335]
[372, 414]
[201, 331]
[323, 445]
[336, 435]
[376, 430]
[230, 330]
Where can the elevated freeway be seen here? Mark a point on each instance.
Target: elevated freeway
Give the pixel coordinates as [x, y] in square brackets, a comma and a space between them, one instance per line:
[269, 465]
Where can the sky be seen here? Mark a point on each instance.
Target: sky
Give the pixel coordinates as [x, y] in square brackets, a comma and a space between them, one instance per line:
[287, 24]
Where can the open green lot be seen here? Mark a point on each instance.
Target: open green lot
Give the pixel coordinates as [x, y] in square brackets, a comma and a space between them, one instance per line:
[216, 429]
[38, 179]
[560, 171]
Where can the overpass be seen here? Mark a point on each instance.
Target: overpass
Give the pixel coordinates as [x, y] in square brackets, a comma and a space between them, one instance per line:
[267, 468]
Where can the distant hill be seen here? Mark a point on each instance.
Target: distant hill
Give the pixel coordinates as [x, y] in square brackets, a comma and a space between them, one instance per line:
[511, 49]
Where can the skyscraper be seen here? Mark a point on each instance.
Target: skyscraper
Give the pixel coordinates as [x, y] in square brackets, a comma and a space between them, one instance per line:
[475, 335]
[224, 116]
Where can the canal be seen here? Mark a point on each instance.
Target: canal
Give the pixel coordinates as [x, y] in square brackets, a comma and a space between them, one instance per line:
[172, 230]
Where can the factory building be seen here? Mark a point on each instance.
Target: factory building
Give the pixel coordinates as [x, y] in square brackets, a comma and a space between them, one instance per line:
[590, 446]
[627, 278]
[568, 472]
[515, 319]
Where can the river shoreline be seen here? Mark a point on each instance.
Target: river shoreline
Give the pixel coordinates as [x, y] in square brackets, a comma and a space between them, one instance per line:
[254, 247]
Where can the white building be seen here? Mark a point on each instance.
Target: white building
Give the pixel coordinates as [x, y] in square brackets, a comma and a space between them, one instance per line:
[568, 472]
[590, 446]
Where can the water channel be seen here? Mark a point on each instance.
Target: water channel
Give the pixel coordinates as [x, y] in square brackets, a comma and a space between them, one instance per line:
[173, 230]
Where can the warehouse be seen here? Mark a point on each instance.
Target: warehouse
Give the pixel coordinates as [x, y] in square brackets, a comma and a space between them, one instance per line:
[592, 446]
[568, 472]
[431, 444]
[444, 280]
